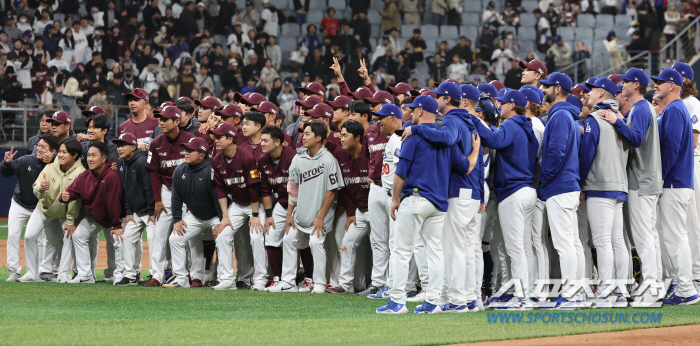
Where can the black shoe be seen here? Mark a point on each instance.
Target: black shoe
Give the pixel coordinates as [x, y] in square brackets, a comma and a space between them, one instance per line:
[126, 282]
[213, 283]
[47, 277]
[138, 276]
[371, 290]
[242, 284]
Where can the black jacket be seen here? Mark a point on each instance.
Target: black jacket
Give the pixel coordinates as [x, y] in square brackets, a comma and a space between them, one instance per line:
[112, 155]
[194, 186]
[27, 169]
[191, 127]
[32, 142]
[136, 181]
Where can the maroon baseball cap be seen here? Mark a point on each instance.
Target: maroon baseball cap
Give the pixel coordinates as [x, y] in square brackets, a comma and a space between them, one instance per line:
[230, 110]
[437, 84]
[266, 107]
[208, 102]
[320, 110]
[139, 94]
[224, 129]
[576, 91]
[249, 98]
[61, 117]
[340, 102]
[183, 98]
[169, 112]
[162, 105]
[94, 110]
[536, 66]
[361, 93]
[615, 78]
[403, 88]
[497, 84]
[381, 96]
[309, 102]
[195, 143]
[126, 138]
[426, 91]
[314, 88]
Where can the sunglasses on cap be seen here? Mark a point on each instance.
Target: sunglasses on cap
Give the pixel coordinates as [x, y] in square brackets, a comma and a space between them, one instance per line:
[137, 91]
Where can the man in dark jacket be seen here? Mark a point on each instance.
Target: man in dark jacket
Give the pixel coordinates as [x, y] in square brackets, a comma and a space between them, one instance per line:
[188, 23]
[193, 186]
[27, 169]
[139, 204]
[97, 127]
[44, 128]
[463, 49]
[485, 42]
[513, 75]
[360, 26]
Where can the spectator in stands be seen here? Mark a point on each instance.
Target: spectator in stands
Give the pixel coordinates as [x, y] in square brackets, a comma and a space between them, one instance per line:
[394, 41]
[390, 16]
[403, 71]
[286, 97]
[457, 70]
[310, 41]
[444, 51]
[388, 60]
[690, 11]
[417, 45]
[511, 43]
[636, 46]
[270, 19]
[360, 26]
[268, 73]
[38, 72]
[479, 67]
[185, 80]
[359, 6]
[203, 79]
[202, 18]
[4, 48]
[381, 49]
[609, 7]
[330, 24]
[454, 12]
[509, 16]
[150, 78]
[543, 30]
[553, 18]
[231, 76]
[315, 65]
[561, 52]
[168, 75]
[513, 76]
[568, 17]
[12, 32]
[345, 41]
[581, 53]
[227, 10]
[24, 23]
[237, 39]
[485, 41]
[501, 58]
[439, 11]
[274, 53]
[491, 16]
[672, 17]
[301, 9]
[463, 50]
[437, 68]
[40, 25]
[409, 8]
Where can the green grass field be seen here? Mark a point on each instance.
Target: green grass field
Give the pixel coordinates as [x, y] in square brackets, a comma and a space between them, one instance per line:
[59, 314]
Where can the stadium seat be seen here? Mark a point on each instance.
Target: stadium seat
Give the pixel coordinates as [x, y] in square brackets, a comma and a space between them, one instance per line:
[584, 35]
[472, 6]
[290, 29]
[622, 18]
[528, 19]
[288, 44]
[469, 18]
[600, 35]
[407, 30]
[527, 33]
[374, 17]
[470, 32]
[317, 5]
[220, 39]
[605, 21]
[567, 33]
[338, 5]
[449, 32]
[429, 32]
[586, 21]
[526, 46]
[281, 4]
[530, 6]
[315, 17]
[376, 31]
[376, 5]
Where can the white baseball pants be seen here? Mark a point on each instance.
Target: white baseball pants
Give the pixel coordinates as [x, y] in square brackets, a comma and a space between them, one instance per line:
[16, 218]
[515, 214]
[279, 215]
[333, 245]
[379, 233]
[608, 239]
[348, 251]
[417, 215]
[57, 246]
[298, 239]
[561, 213]
[240, 215]
[85, 245]
[540, 231]
[132, 243]
[585, 238]
[458, 243]
[195, 229]
[694, 222]
[643, 214]
[481, 219]
[674, 209]
[413, 275]
[158, 247]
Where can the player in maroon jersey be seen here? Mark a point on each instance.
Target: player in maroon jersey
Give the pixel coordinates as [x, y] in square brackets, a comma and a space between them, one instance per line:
[140, 124]
[164, 155]
[341, 110]
[245, 102]
[271, 113]
[253, 123]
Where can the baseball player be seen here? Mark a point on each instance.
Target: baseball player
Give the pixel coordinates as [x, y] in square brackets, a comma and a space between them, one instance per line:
[273, 166]
[422, 196]
[533, 71]
[187, 121]
[139, 205]
[237, 179]
[689, 96]
[44, 128]
[140, 124]
[402, 91]
[100, 190]
[354, 162]
[88, 113]
[52, 217]
[97, 128]
[206, 109]
[164, 155]
[27, 169]
[192, 185]
[341, 110]
[644, 172]
[314, 178]
[603, 169]
[61, 123]
[559, 182]
[247, 101]
[676, 137]
[252, 125]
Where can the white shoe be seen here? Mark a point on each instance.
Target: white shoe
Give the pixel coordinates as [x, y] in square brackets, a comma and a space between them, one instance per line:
[283, 286]
[110, 279]
[417, 298]
[224, 286]
[307, 285]
[480, 304]
[258, 287]
[175, 283]
[603, 302]
[63, 279]
[26, 278]
[619, 301]
[318, 289]
[79, 280]
[14, 277]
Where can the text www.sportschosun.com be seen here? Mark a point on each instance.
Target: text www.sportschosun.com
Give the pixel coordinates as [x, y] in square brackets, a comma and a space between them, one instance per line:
[574, 317]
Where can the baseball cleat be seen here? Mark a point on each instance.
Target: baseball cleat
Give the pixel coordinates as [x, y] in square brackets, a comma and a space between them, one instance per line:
[168, 274]
[382, 293]
[338, 289]
[307, 285]
[258, 287]
[242, 285]
[215, 282]
[392, 308]
[455, 309]
[371, 290]
[480, 304]
[126, 282]
[14, 277]
[273, 282]
[26, 278]
[283, 286]
[153, 282]
[427, 308]
[676, 300]
[196, 283]
[108, 279]
[671, 290]
[224, 286]
[604, 302]
[63, 279]
[209, 277]
[619, 300]
[174, 283]
[319, 289]
[47, 277]
[82, 280]
[417, 298]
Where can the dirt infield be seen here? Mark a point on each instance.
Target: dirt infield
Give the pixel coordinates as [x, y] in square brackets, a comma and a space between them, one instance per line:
[683, 335]
[101, 254]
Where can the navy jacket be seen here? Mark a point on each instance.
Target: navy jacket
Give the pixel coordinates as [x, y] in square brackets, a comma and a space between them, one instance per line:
[194, 186]
[27, 169]
[560, 146]
[112, 155]
[136, 181]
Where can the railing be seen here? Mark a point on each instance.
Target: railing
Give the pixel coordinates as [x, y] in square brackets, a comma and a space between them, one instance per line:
[635, 58]
[675, 45]
[575, 67]
[25, 118]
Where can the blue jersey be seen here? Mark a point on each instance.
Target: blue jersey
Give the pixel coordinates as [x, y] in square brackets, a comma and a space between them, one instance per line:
[676, 137]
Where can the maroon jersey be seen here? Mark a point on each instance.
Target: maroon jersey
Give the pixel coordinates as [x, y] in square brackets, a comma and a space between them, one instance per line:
[164, 156]
[211, 143]
[140, 130]
[356, 177]
[274, 175]
[376, 143]
[254, 149]
[236, 178]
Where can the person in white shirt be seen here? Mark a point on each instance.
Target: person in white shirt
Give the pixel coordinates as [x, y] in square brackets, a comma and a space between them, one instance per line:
[381, 49]
[237, 39]
[23, 65]
[269, 15]
[58, 61]
[81, 43]
[41, 24]
[457, 70]
[150, 76]
[23, 24]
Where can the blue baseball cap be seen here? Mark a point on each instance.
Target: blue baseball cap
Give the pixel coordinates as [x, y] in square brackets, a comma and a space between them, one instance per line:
[619, 87]
[514, 96]
[604, 84]
[669, 75]
[685, 70]
[636, 75]
[559, 79]
[501, 93]
[470, 92]
[487, 90]
[585, 86]
[575, 101]
[488, 104]
[532, 94]
[448, 89]
[389, 110]
[424, 102]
